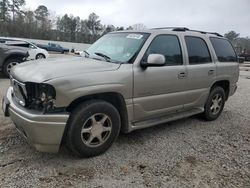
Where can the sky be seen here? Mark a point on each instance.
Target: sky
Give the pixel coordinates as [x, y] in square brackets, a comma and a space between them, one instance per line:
[210, 15]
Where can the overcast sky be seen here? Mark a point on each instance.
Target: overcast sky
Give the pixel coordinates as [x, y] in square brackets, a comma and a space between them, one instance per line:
[210, 15]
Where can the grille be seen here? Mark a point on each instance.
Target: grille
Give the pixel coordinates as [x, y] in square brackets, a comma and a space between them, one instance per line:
[19, 91]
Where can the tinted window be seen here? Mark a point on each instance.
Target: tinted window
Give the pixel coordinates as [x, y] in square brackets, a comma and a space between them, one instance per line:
[223, 49]
[25, 45]
[198, 52]
[167, 45]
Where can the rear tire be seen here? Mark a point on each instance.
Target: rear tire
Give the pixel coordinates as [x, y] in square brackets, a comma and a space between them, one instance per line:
[93, 126]
[9, 64]
[215, 104]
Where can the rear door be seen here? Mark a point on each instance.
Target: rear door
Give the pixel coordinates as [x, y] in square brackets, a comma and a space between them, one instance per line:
[201, 70]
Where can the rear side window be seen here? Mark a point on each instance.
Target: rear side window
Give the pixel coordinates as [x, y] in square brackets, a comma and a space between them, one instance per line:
[198, 52]
[223, 49]
[167, 45]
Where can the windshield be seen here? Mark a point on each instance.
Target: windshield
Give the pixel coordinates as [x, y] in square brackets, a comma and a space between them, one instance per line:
[117, 47]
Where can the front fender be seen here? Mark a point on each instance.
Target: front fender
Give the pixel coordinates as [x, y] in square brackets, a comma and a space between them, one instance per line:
[72, 87]
[18, 54]
[63, 99]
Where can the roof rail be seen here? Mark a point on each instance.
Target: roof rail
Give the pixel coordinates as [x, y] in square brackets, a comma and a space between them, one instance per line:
[204, 32]
[173, 28]
[186, 29]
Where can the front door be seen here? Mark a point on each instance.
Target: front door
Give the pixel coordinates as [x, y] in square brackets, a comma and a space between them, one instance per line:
[159, 91]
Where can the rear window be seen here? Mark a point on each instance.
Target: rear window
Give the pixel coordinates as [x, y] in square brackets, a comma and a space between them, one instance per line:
[223, 49]
[198, 52]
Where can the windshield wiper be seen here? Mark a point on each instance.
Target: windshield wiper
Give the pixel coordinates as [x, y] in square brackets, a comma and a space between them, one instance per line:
[107, 58]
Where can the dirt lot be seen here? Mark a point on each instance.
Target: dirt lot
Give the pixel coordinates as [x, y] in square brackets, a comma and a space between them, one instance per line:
[184, 153]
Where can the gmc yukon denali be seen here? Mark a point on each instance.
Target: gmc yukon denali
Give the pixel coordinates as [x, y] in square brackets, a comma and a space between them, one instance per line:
[126, 80]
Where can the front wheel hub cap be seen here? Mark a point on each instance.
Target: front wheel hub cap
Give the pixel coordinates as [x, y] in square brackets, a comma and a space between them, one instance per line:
[96, 130]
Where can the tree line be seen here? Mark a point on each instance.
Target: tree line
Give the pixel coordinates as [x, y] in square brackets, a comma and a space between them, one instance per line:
[17, 21]
[241, 44]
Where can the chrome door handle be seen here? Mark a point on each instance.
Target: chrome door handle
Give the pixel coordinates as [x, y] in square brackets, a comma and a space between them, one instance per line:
[210, 72]
[182, 75]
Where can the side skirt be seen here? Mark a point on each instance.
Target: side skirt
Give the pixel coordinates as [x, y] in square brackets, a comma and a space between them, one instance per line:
[164, 119]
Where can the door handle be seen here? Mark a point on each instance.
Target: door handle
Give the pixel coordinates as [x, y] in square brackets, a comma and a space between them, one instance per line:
[182, 75]
[210, 72]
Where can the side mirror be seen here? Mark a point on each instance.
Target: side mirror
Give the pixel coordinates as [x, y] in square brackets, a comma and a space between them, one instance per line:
[154, 60]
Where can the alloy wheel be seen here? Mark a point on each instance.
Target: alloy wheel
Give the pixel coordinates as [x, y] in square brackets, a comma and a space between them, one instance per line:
[96, 130]
[10, 65]
[40, 56]
[216, 104]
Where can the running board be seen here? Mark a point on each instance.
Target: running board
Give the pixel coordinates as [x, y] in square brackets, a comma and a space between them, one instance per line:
[165, 119]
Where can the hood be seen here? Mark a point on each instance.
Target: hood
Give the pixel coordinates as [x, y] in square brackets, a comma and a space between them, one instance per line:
[44, 70]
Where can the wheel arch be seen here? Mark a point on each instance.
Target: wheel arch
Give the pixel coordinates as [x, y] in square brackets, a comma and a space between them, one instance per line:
[116, 99]
[225, 84]
[12, 56]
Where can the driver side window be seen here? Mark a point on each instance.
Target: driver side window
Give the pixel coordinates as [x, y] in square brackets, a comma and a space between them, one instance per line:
[167, 45]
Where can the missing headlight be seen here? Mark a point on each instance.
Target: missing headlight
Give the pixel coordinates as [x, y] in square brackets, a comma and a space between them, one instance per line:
[40, 96]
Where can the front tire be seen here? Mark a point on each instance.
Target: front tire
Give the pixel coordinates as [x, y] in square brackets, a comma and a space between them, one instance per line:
[9, 64]
[40, 56]
[93, 126]
[215, 103]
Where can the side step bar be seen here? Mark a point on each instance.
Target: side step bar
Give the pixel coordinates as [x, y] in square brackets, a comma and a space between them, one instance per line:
[165, 119]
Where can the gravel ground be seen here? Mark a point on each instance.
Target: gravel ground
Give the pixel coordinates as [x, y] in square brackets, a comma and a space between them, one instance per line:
[184, 153]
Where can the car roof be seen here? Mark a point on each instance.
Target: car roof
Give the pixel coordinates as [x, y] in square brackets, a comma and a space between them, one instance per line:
[173, 30]
[15, 39]
[15, 42]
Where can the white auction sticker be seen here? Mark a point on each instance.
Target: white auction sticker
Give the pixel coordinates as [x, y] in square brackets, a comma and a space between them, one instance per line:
[134, 36]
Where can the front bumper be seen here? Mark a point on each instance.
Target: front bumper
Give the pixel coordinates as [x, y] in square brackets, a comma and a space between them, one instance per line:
[43, 131]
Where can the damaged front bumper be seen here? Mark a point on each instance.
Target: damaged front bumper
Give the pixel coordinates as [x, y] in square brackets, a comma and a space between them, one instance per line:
[43, 131]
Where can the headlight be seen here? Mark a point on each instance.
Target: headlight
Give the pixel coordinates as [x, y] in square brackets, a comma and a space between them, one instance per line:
[40, 96]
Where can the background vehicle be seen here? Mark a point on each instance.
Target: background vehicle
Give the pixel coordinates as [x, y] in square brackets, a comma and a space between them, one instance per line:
[53, 47]
[78, 52]
[127, 80]
[246, 56]
[241, 59]
[34, 51]
[11, 56]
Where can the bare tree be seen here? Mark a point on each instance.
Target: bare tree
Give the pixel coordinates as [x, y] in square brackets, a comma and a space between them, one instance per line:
[4, 6]
[138, 26]
[15, 7]
[231, 35]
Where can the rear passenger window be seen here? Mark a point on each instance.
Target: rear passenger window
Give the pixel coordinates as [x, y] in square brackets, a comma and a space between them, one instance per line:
[198, 52]
[223, 49]
[167, 45]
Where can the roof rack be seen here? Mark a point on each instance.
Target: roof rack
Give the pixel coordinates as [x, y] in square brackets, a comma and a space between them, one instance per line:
[173, 28]
[186, 29]
[204, 32]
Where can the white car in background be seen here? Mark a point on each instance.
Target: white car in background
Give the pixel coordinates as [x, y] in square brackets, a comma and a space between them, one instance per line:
[34, 51]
